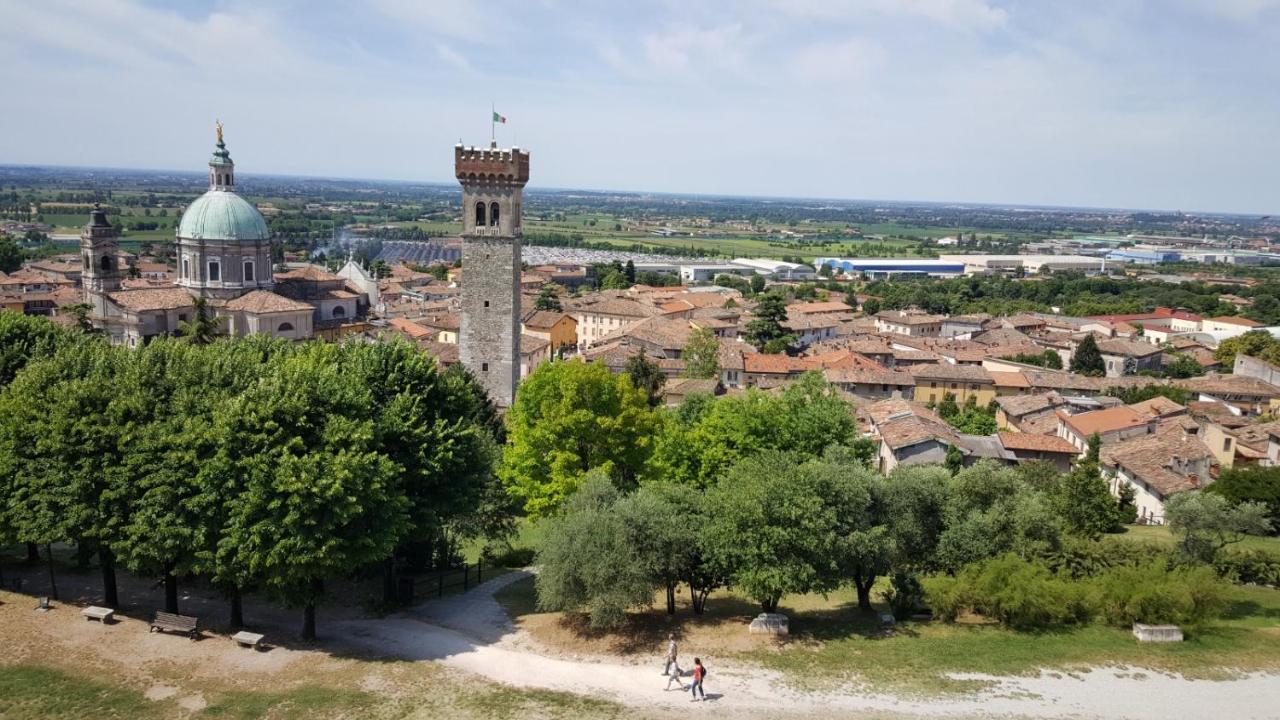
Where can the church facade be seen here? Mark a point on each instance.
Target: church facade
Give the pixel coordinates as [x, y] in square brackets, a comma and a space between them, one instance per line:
[225, 265]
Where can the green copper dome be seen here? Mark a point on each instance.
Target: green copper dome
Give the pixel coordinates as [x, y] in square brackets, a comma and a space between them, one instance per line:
[222, 215]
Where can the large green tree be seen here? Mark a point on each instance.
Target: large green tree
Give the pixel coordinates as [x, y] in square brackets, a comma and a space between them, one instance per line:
[702, 355]
[10, 254]
[568, 419]
[1252, 483]
[765, 329]
[1205, 523]
[991, 510]
[1256, 343]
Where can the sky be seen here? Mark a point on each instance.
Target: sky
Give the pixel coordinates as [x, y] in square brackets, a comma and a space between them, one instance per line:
[1168, 104]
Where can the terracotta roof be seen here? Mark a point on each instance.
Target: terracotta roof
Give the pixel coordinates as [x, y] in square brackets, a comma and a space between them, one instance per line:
[949, 372]
[265, 301]
[619, 307]
[1257, 436]
[1158, 406]
[444, 353]
[1231, 385]
[152, 299]
[1127, 348]
[1009, 379]
[1159, 460]
[530, 344]
[1042, 424]
[869, 376]
[544, 319]
[776, 364]
[1019, 405]
[913, 429]
[814, 308]
[1040, 443]
[898, 317]
[410, 328]
[313, 273]
[1232, 320]
[681, 387]
[1104, 421]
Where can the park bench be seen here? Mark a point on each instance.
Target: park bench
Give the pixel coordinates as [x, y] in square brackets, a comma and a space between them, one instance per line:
[247, 639]
[175, 623]
[101, 614]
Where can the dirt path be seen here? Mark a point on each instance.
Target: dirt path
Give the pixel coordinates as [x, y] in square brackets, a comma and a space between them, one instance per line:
[471, 632]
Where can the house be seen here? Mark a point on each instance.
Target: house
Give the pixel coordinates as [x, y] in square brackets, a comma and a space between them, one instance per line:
[1111, 425]
[935, 381]
[1244, 395]
[1229, 324]
[1156, 467]
[1013, 411]
[676, 390]
[1159, 408]
[963, 326]
[912, 324]
[534, 351]
[1028, 447]
[909, 434]
[872, 384]
[763, 370]
[557, 328]
[1128, 357]
[601, 315]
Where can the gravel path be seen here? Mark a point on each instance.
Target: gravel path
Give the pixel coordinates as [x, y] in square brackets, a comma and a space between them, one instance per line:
[471, 632]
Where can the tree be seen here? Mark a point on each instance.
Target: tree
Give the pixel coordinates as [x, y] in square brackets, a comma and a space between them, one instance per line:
[568, 419]
[954, 459]
[612, 577]
[1094, 452]
[441, 273]
[1183, 366]
[766, 326]
[948, 408]
[702, 355]
[629, 272]
[1205, 523]
[1087, 359]
[25, 339]
[756, 284]
[774, 527]
[989, 511]
[1253, 483]
[1083, 502]
[871, 307]
[10, 255]
[1052, 359]
[972, 421]
[547, 299]
[317, 497]
[204, 327]
[712, 435]
[614, 280]
[1255, 343]
[647, 376]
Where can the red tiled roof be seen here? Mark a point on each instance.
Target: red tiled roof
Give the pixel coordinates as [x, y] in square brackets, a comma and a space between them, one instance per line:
[1039, 443]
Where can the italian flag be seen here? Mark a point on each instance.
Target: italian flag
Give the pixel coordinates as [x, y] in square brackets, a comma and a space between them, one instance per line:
[499, 119]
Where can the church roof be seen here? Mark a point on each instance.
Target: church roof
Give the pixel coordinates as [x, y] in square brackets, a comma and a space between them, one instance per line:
[222, 215]
[265, 301]
[152, 299]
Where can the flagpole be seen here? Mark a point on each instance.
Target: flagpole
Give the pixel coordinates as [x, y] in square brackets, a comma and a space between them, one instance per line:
[493, 133]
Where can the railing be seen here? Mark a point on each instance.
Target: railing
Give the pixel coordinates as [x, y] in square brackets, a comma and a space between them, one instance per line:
[436, 582]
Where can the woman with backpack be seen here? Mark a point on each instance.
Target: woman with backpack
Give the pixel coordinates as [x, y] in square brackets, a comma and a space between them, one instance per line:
[695, 687]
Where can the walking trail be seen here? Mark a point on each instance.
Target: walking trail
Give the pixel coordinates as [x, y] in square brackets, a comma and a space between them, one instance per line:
[472, 632]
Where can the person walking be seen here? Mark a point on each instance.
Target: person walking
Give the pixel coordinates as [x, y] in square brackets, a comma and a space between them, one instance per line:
[695, 687]
[675, 676]
[671, 656]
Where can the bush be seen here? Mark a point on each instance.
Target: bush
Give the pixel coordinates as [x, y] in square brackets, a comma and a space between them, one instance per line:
[503, 554]
[946, 596]
[1154, 593]
[1024, 594]
[1256, 567]
[905, 595]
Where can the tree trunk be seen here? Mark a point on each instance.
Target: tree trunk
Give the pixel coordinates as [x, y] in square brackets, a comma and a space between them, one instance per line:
[33, 553]
[237, 608]
[864, 593]
[170, 589]
[769, 605]
[389, 580]
[110, 594]
[83, 553]
[309, 621]
[53, 584]
[671, 598]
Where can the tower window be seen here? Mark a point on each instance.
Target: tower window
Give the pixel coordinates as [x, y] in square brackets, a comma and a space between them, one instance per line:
[480, 215]
[248, 271]
[486, 303]
[106, 262]
[484, 367]
[215, 271]
[493, 214]
[186, 268]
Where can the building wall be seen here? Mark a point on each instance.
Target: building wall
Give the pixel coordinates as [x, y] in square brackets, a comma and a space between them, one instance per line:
[490, 324]
[1222, 445]
[936, 390]
[1116, 364]
[1253, 367]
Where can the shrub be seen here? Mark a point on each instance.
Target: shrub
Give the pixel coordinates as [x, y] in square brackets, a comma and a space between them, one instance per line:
[946, 596]
[1256, 567]
[503, 554]
[1024, 594]
[1154, 593]
[905, 594]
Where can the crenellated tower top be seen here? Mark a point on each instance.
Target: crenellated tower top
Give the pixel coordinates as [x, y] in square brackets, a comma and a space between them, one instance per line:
[479, 166]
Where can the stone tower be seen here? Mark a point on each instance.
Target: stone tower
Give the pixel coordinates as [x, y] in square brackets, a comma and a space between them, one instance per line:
[492, 182]
[100, 255]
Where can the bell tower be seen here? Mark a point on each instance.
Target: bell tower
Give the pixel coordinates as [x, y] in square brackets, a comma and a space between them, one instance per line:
[493, 183]
[100, 259]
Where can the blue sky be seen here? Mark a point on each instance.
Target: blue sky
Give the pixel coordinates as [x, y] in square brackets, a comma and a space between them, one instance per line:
[1118, 103]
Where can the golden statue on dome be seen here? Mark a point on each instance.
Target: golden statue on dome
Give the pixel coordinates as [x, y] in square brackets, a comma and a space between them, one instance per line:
[217, 124]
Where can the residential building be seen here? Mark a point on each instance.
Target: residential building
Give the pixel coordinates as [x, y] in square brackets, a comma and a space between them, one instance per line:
[934, 382]
[1111, 425]
[1157, 467]
[911, 324]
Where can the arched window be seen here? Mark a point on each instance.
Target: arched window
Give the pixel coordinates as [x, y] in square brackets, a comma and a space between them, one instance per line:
[186, 268]
[339, 311]
[480, 214]
[106, 262]
[248, 271]
[493, 214]
[285, 327]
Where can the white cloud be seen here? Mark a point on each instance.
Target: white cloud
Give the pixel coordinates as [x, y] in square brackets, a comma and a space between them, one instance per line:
[852, 60]
[679, 49]
[452, 57]
[956, 14]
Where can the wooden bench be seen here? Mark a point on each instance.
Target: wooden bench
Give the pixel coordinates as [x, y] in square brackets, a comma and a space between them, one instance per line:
[247, 639]
[175, 623]
[101, 614]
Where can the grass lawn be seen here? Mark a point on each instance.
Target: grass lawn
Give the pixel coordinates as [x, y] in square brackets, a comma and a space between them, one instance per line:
[833, 642]
[1162, 534]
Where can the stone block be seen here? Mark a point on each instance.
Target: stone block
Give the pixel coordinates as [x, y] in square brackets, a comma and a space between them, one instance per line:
[1157, 633]
[770, 624]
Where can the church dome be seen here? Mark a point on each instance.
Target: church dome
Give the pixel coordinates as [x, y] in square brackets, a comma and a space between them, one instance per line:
[222, 215]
